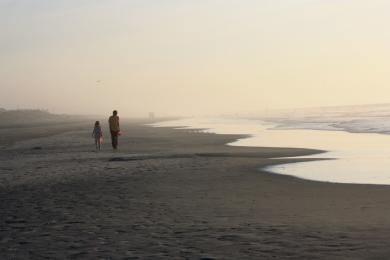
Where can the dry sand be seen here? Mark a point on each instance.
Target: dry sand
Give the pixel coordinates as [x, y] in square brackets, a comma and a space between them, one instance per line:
[175, 194]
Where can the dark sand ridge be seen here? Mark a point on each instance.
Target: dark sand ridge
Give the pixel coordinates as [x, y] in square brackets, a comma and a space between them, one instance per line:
[177, 194]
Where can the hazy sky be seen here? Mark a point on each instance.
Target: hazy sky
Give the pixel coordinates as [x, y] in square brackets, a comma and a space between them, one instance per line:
[192, 56]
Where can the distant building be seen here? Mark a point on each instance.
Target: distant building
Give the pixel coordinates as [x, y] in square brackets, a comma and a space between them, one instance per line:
[151, 115]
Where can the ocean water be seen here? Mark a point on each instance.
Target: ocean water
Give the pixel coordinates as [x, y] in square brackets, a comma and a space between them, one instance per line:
[360, 158]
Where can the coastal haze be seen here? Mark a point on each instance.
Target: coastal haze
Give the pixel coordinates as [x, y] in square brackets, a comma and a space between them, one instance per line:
[246, 129]
[193, 57]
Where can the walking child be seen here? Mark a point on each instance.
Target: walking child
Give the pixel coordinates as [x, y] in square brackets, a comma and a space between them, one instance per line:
[98, 135]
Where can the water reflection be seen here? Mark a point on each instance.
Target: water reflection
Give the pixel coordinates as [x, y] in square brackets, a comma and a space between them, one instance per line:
[361, 157]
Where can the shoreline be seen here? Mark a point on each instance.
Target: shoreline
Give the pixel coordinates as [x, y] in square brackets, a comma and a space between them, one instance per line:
[190, 197]
[359, 158]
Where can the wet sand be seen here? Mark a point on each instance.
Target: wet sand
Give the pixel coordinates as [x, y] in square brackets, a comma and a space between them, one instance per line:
[175, 194]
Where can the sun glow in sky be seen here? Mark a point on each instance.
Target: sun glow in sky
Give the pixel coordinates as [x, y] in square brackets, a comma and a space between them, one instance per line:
[178, 57]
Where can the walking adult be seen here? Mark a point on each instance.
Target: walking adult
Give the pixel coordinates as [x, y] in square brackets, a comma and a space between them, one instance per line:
[114, 129]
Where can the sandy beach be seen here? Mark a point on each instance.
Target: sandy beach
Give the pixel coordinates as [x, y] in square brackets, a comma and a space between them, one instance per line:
[174, 194]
